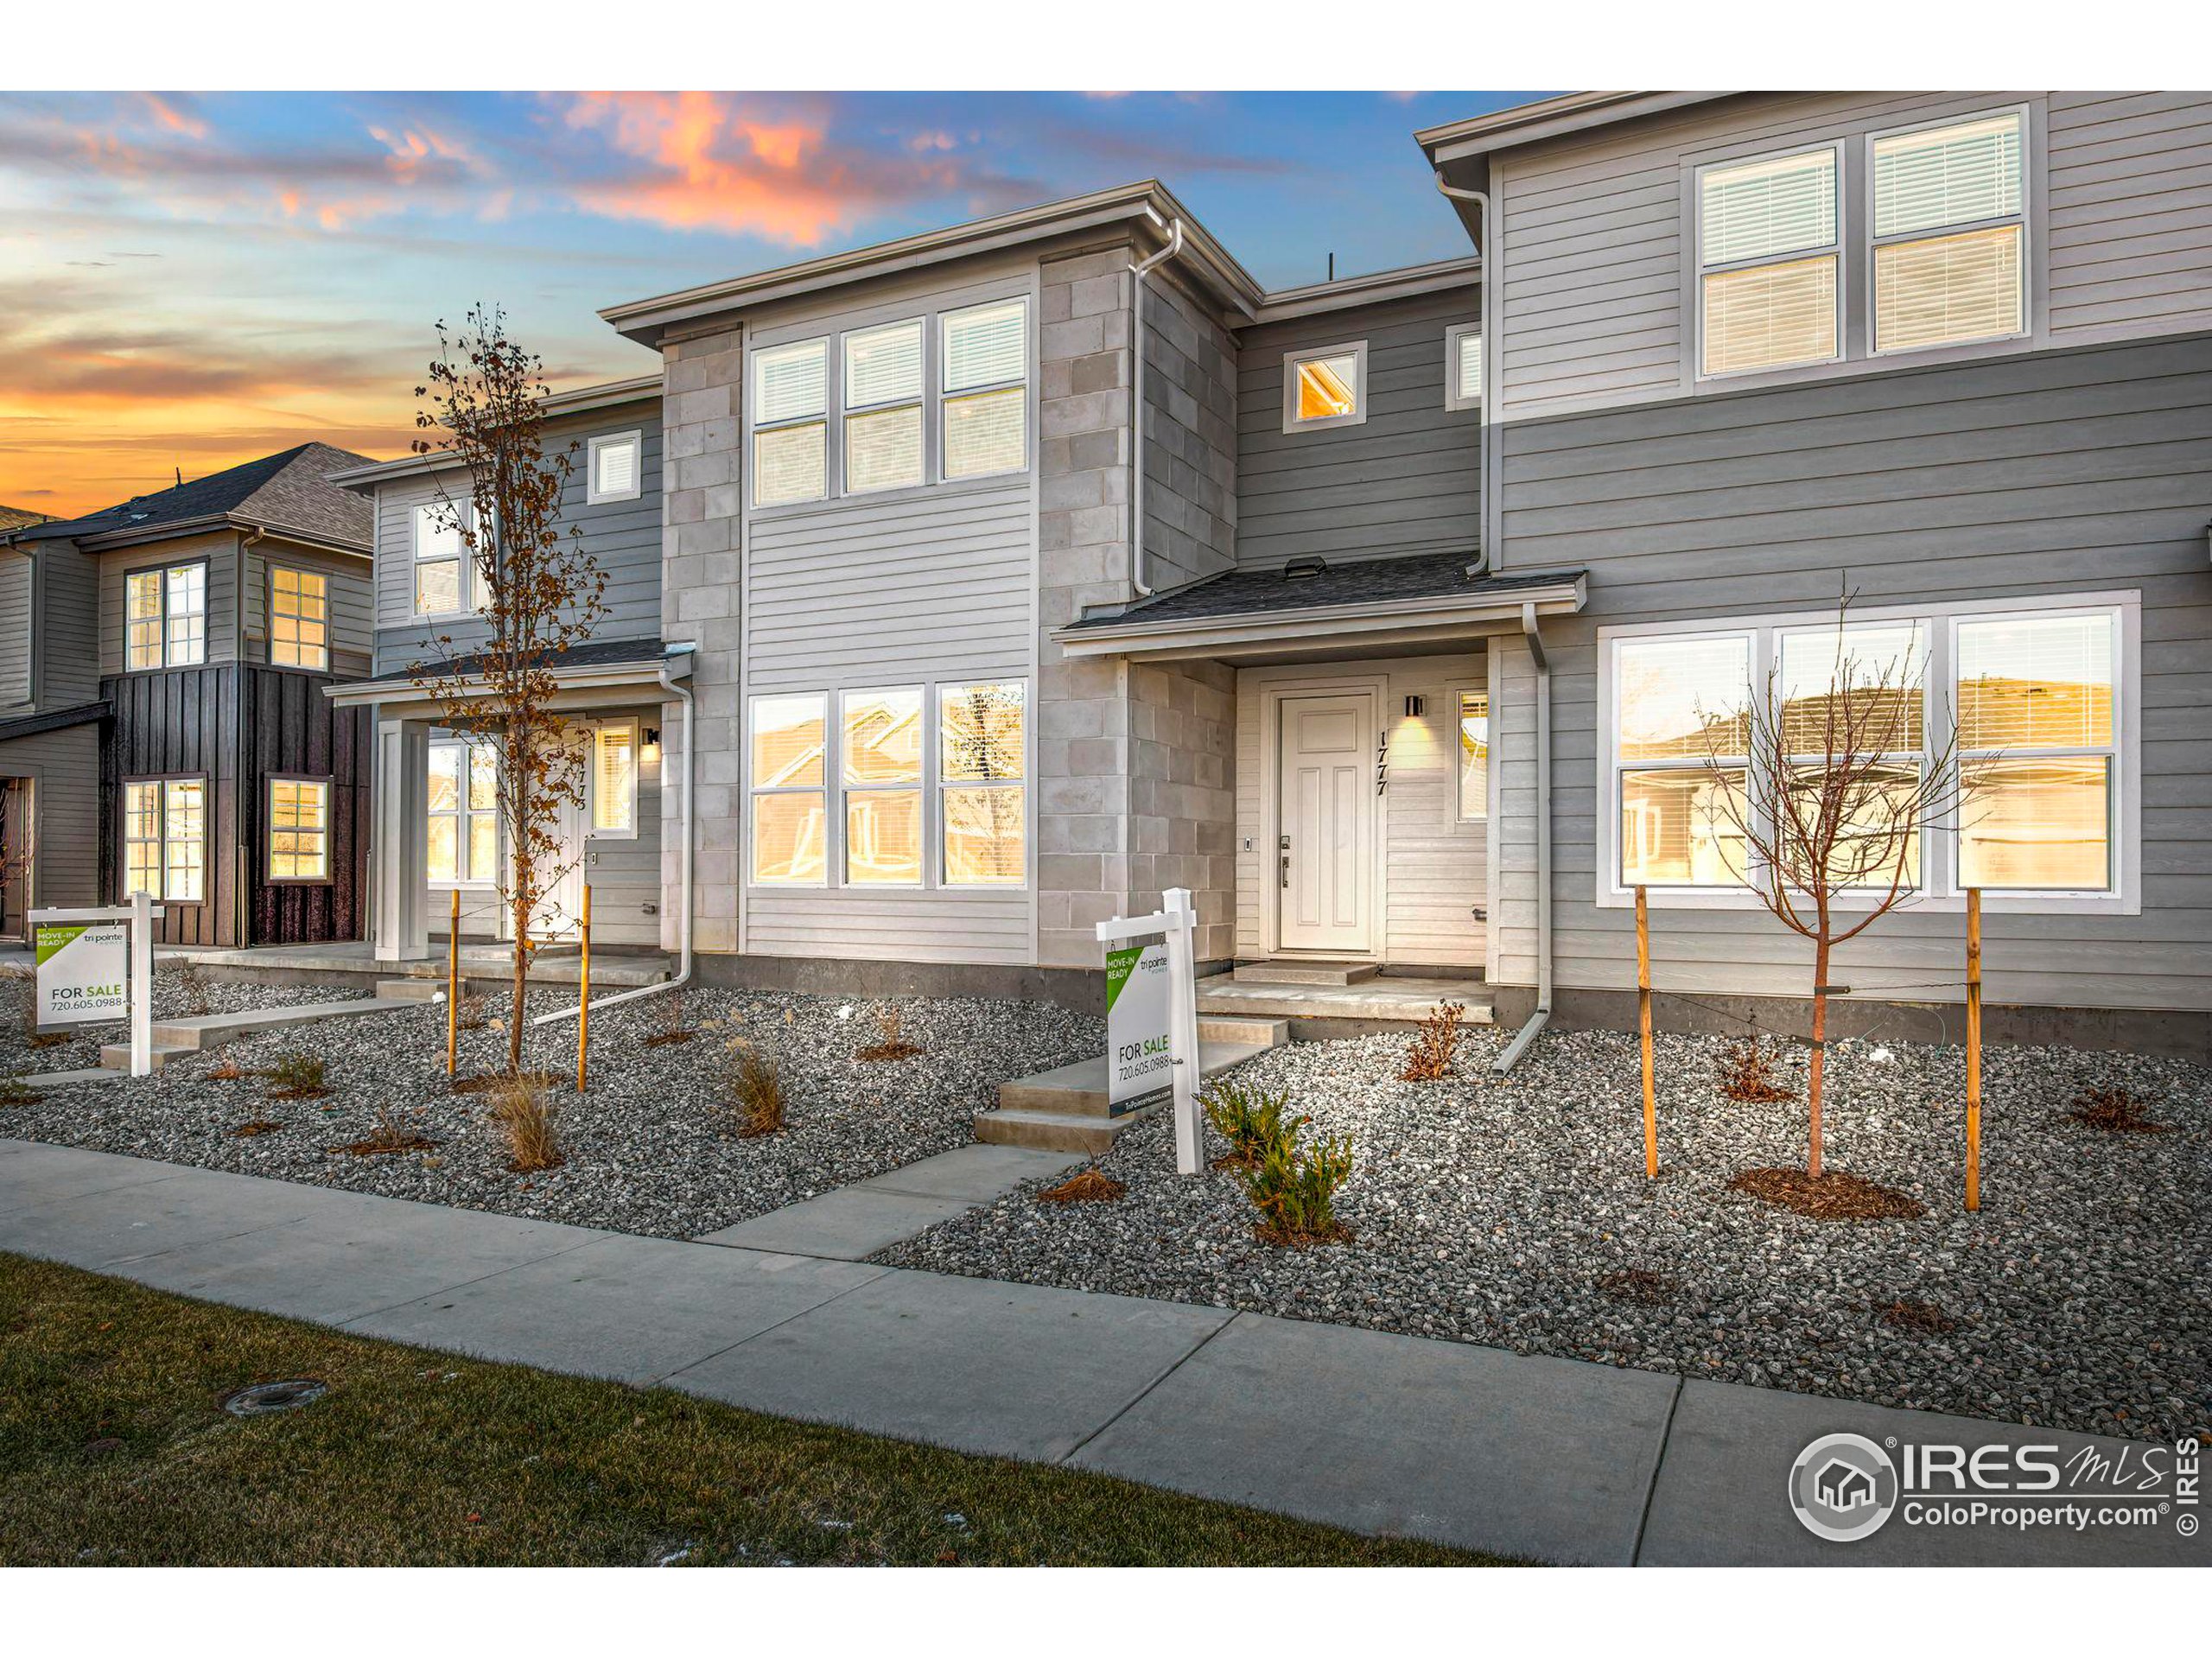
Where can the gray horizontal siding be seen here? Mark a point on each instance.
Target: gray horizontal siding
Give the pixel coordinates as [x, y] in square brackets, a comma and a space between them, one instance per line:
[16, 572]
[218, 549]
[2130, 213]
[65, 769]
[347, 585]
[68, 643]
[1408, 480]
[623, 538]
[2077, 470]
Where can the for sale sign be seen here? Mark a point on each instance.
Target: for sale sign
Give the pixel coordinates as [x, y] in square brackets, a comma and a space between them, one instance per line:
[84, 972]
[1139, 1065]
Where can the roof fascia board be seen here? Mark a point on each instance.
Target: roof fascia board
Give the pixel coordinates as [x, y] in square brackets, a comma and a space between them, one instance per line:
[642, 673]
[1286, 304]
[1555, 117]
[1319, 623]
[109, 540]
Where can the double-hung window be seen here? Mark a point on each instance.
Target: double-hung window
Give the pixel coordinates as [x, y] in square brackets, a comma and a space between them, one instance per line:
[165, 838]
[299, 618]
[1950, 233]
[790, 423]
[464, 812]
[981, 773]
[790, 778]
[883, 407]
[299, 829]
[881, 766]
[614, 780]
[985, 399]
[443, 581]
[614, 468]
[165, 617]
[2024, 701]
[1770, 262]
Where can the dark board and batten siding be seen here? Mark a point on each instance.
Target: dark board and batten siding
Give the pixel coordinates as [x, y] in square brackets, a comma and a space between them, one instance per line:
[2078, 470]
[235, 724]
[1408, 480]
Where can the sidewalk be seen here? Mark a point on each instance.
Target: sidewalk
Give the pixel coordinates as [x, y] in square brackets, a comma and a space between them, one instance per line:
[1552, 1459]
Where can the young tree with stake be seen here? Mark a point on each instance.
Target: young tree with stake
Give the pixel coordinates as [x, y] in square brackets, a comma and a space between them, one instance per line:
[538, 591]
[1829, 793]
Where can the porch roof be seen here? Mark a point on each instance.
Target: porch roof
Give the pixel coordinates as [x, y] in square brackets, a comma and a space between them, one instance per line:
[1424, 599]
[592, 670]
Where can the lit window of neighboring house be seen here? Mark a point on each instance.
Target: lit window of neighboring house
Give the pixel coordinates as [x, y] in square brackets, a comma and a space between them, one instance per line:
[1324, 386]
[464, 812]
[614, 467]
[165, 838]
[1770, 262]
[299, 829]
[985, 400]
[2034, 694]
[883, 407]
[790, 416]
[299, 618]
[614, 780]
[165, 616]
[1950, 233]
[881, 767]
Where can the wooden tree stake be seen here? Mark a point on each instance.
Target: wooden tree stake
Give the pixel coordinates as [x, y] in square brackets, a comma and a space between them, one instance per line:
[1974, 1048]
[583, 1014]
[452, 984]
[1643, 1031]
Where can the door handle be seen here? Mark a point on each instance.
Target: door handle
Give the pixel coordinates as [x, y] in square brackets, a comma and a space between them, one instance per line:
[1285, 869]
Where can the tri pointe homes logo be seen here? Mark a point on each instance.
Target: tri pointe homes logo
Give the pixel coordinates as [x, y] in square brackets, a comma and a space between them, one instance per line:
[1845, 1487]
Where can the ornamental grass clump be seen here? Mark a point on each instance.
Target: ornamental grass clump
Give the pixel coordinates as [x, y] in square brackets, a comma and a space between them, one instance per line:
[755, 1092]
[522, 1105]
[1250, 1119]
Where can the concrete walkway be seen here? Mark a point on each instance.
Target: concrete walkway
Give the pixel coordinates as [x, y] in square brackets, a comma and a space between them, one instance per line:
[1547, 1459]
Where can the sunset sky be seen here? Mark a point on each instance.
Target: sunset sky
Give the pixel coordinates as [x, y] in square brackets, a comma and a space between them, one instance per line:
[188, 282]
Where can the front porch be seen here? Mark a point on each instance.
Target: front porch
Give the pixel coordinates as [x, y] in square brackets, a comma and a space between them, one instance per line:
[1339, 999]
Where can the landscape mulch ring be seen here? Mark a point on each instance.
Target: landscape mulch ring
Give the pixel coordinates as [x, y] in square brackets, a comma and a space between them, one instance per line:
[652, 1147]
[1516, 1212]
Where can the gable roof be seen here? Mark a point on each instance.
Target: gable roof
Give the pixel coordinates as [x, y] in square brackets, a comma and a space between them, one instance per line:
[286, 492]
[1547, 118]
[16, 518]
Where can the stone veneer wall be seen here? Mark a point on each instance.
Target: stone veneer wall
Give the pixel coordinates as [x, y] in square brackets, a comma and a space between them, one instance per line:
[700, 497]
[1134, 792]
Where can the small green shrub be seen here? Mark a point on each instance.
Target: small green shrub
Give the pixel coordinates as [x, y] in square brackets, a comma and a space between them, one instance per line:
[298, 1075]
[1249, 1119]
[1294, 1187]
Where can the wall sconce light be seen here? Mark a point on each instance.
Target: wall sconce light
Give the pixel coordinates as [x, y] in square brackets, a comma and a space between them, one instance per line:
[653, 745]
[1413, 708]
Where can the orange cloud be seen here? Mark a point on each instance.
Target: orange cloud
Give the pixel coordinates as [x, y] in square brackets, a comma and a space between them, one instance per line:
[173, 119]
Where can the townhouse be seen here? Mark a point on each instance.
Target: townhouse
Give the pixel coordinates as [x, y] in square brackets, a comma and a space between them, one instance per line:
[163, 724]
[979, 586]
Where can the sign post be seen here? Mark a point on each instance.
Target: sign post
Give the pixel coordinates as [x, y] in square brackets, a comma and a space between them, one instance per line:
[1152, 1017]
[96, 965]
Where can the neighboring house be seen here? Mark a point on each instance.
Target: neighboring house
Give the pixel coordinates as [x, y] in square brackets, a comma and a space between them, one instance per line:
[161, 721]
[1402, 664]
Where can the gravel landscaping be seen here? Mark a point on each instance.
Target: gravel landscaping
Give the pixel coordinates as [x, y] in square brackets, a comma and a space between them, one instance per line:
[177, 994]
[652, 1148]
[1516, 1212]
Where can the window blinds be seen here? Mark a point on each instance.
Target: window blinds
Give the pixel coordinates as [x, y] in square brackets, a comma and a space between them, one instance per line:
[1770, 207]
[791, 382]
[986, 345]
[883, 366]
[1952, 175]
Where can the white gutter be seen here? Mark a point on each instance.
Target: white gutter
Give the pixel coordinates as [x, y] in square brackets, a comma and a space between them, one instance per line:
[1137, 274]
[1537, 1020]
[1492, 248]
[671, 687]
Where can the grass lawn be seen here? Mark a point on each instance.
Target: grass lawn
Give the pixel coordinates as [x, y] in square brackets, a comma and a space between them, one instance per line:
[114, 1449]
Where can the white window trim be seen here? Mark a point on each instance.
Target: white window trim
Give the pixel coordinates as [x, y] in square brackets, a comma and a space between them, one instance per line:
[846, 410]
[2024, 218]
[473, 882]
[1939, 838]
[1308, 354]
[471, 603]
[1458, 691]
[162, 780]
[1455, 337]
[1699, 270]
[828, 419]
[943, 395]
[160, 574]
[832, 837]
[592, 831]
[593, 494]
[322, 667]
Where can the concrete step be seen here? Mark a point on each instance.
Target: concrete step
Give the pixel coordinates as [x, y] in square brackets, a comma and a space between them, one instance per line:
[1375, 1001]
[410, 990]
[1304, 973]
[116, 1057]
[1241, 1028]
[213, 1030]
[1066, 1109]
[1082, 1089]
[1055, 1131]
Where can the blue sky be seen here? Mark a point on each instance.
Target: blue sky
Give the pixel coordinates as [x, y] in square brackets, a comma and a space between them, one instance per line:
[188, 282]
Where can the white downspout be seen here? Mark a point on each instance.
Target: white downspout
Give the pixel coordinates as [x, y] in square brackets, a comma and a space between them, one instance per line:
[681, 691]
[1138, 273]
[1492, 248]
[1538, 1019]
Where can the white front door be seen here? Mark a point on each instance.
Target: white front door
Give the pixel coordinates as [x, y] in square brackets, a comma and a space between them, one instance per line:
[1325, 860]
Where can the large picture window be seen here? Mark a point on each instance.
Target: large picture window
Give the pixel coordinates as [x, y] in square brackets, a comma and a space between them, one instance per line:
[2034, 693]
[165, 838]
[790, 780]
[165, 617]
[881, 768]
[981, 773]
[464, 812]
